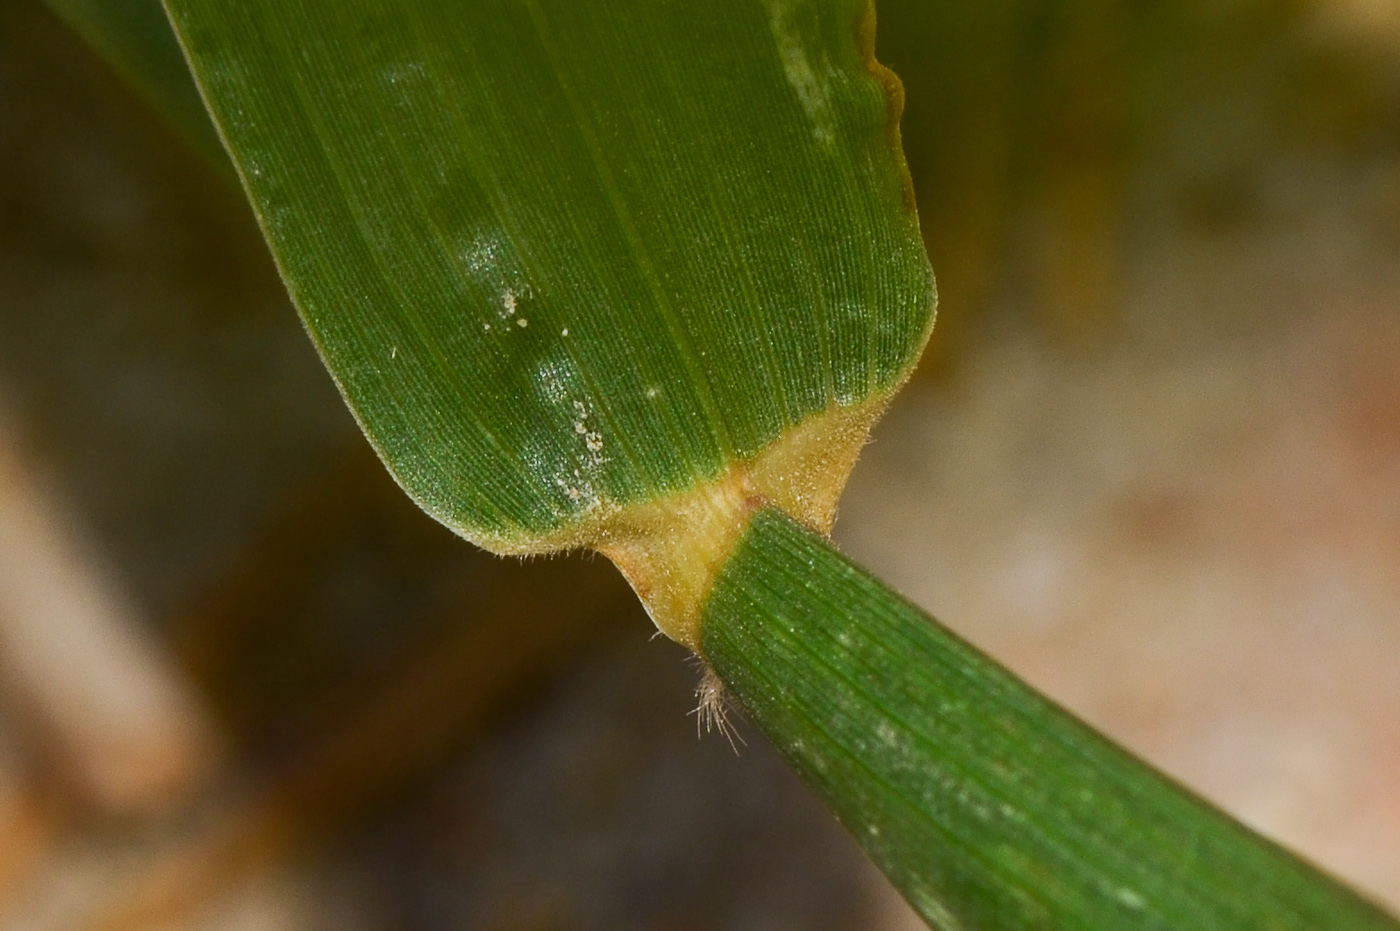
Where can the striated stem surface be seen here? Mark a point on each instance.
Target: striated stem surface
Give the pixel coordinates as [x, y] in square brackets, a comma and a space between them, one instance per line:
[988, 806]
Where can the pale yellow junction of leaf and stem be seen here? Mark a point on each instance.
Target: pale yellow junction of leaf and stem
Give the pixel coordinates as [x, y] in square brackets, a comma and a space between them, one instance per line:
[671, 549]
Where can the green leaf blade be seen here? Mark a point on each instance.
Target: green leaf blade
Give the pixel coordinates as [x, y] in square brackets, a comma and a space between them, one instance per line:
[562, 258]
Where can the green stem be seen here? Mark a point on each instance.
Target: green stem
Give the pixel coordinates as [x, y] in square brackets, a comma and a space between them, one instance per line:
[989, 807]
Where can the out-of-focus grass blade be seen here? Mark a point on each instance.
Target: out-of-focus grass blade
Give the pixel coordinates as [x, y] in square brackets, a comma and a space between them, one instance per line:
[135, 36]
[989, 807]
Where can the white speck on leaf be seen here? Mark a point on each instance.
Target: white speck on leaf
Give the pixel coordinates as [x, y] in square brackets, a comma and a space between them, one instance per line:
[522, 322]
[813, 92]
[490, 261]
[482, 254]
[576, 472]
[887, 734]
[1130, 898]
[403, 71]
[555, 379]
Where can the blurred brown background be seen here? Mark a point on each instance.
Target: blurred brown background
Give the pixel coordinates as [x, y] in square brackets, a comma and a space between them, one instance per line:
[1152, 462]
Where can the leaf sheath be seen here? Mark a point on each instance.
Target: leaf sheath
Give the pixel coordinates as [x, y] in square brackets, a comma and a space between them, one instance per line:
[988, 806]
